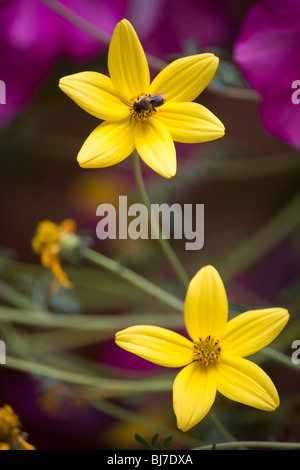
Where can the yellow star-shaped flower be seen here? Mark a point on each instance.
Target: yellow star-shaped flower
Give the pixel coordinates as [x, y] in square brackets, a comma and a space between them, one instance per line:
[139, 114]
[215, 358]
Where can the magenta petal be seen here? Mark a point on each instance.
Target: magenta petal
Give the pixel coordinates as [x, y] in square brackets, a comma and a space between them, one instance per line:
[267, 52]
[33, 38]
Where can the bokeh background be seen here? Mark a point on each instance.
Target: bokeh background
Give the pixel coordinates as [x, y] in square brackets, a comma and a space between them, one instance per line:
[248, 182]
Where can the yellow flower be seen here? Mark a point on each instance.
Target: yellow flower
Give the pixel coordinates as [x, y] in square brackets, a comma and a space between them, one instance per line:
[215, 358]
[10, 431]
[47, 242]
[133, 113]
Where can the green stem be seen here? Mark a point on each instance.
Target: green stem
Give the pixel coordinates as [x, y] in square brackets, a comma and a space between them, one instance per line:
[77, 20]
[164, 244]
[59, 340]
[12, 296]
[256, 444]
[85, 323]
[133, 278]
[115, 386]
[279, 357]
[171, 256]
[220, 426]
[259, 244]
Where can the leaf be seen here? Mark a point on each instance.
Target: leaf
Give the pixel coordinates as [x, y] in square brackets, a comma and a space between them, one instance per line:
[151, 444]
[142, 441]
[167, 442]
[154, 439]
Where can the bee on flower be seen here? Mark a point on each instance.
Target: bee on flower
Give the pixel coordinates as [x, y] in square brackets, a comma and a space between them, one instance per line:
[137, 114]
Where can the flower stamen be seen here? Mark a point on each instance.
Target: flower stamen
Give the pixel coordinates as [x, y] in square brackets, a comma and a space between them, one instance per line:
[207, 351]
[143, 106]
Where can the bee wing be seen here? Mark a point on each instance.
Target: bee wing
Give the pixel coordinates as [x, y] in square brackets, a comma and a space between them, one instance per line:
[157, 100]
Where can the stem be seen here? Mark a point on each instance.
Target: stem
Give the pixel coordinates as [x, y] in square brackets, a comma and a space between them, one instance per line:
[279, 357]
[12, 296]
[258, 444]
[78, 21]
[173, 260]
[133, 278]
[221, 427]
[259, 244]
[118, 387]
[164, 244]
[85, 323]
[171, 256]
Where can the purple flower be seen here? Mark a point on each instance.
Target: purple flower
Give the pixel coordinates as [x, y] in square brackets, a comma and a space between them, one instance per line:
[33, 38]
[267, 52]
[166, 27]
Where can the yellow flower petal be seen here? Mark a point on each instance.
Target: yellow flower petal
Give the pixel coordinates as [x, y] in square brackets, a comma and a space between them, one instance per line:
[245, 382]
[194, 392]
[190, 122]
[251, 331]
[155, 146]
[108, 144]
[185, 78]
[157, 345]
[127, 63]
[206, 305]
[95, 93]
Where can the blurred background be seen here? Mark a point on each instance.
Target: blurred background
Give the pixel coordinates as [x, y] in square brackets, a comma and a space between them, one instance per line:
[248, 182]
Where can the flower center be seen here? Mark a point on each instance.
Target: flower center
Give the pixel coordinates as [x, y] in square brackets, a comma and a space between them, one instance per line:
[207, 351]
[143, 106]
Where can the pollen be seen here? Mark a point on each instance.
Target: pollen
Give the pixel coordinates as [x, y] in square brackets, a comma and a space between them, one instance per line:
[207, 351]
[141, 108]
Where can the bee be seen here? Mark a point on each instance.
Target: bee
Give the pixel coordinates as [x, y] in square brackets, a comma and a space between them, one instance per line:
[146, 104]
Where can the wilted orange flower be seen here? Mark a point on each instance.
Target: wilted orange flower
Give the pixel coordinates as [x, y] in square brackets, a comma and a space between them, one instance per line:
[47, 242]
[11, 437]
